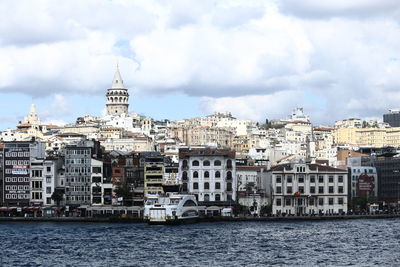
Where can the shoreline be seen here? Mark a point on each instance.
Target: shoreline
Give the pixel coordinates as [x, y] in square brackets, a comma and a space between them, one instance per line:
[204, 219]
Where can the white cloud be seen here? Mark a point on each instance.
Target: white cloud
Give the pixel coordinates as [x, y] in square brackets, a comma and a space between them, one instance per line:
[343, 55]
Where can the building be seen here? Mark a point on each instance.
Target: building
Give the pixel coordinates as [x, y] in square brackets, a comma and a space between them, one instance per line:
[209, 174]
[17, 165]
[154, 171]
[117, 96]
[78, 172]
[363, 182]
[392, 118]
[300, 188]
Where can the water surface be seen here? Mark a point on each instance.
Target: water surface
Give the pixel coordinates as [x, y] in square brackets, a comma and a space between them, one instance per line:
[322, 243]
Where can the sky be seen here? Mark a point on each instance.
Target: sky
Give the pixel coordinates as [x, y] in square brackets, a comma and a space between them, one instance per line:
[257, 59]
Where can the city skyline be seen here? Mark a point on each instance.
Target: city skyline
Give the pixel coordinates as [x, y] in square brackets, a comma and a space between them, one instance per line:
[185, 59]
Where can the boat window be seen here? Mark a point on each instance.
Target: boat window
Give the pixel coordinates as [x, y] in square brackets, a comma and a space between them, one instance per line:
[189, 203]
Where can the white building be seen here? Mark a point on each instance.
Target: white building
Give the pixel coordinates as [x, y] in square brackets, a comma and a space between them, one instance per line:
[208, 173]
[300, 188]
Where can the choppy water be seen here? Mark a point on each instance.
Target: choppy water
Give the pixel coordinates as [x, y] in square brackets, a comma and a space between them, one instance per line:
[326, 243]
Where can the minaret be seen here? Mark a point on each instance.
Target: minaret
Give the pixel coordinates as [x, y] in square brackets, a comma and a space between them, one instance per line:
[117, 96]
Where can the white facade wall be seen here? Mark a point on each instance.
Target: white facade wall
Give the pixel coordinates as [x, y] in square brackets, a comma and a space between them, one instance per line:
[299, 190]
[212, 193]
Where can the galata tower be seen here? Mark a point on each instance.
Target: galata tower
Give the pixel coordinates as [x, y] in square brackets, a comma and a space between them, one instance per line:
[117, 96]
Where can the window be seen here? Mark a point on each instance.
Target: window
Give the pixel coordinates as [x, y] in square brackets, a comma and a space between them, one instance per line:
[289, 179]
[279, 202]
[320, 189]
[48, 190]
[206, 197]
[195, 186]
[340, 189]
[184, 175]
[229, 164]
[288, 202]
[301, 189]
[340, 179]
[206, 186]
[311, 202]
[195, 163]
[217, 163]
[229, 175]
[206, 163]
[320, 201]
[301, 179]
[184, 163]
[340, 200]
[331, 179]
[206, 174]
[217, 185]
[195, 174]
[278, 190]
[320, 179]
[330, 201]
[289, 190]
[229, 187]
[217, 174]
[278, 179]
[217, 197]
[330, 190]
[48, 169]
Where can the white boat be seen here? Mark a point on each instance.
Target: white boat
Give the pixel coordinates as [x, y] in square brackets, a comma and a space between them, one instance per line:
[171, 209]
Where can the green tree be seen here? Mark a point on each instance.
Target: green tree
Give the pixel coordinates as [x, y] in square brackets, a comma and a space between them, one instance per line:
[359, 203]
[125, 192]
[57, 196]
[266, 210]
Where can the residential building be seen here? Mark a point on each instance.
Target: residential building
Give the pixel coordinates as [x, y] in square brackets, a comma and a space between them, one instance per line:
[208, 173]
[392, 118]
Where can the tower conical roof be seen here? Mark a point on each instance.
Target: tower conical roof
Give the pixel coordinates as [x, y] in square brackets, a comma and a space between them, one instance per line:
[117, 82]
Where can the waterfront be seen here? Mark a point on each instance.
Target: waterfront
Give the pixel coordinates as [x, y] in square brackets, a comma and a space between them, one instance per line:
[352, 242]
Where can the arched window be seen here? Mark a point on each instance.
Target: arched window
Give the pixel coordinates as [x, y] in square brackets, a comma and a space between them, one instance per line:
[217, 186]
[184, 176]
[195, 163]
[206, 174]
[195, 174]
[112, 99]
[195, 186]
[206, 197]
[217, 174]
[120, 99]
[184, 163]
[229, 175]
[217, 163]
[229, 163]
[206, 163]
[206, 186]
[229, 187]
[217, 197]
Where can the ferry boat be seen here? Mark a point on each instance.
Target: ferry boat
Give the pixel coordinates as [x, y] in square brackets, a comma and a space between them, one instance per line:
[171, 209]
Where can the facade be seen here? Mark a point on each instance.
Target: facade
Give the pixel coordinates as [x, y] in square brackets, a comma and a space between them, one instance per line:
[153, 174]
[117, 97]
[392, 118]
[78, 172]
[363, 182]
[299, 189]
[17, 158]
[208, 173]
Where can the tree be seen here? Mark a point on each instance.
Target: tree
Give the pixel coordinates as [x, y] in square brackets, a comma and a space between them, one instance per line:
[359, 203]
[266, 210]
[125, 192]
[57, 196]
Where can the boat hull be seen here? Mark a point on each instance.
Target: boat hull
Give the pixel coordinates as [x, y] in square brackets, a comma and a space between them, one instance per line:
[177, 221]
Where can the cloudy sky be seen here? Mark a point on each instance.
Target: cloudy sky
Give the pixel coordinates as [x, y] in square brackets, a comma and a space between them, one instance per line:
[186, 58]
